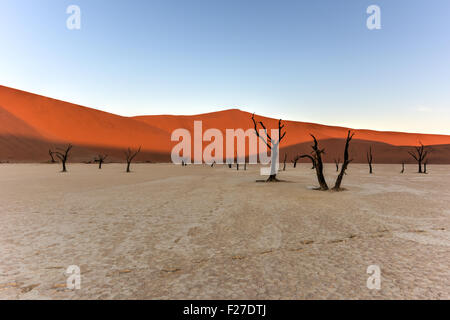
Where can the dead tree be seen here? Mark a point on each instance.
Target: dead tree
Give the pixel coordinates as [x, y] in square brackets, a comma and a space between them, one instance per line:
[310, 158]
[296, 160]
[130, 155]
[63, 155]
[284, 162]
[403, 168]
[273, 145]
[316, 159]
[420, 155]
[50, 152]
[425, 167]
[100, 159]
[337, 185]
[370, 159]
[336, 162]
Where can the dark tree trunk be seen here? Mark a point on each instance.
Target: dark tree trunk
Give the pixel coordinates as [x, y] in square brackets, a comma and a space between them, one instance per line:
[237, 166]
[425, 167]
[101, 159]
[337, 185]
[130, 155]
[316, 159]
[420, 155]
[370, 160]
[298, 157]
[284, 163]
[321, 178]
[403, 168]
[63, 155]
[272, 178]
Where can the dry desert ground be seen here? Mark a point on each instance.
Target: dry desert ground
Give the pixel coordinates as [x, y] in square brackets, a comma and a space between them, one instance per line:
[196, 232]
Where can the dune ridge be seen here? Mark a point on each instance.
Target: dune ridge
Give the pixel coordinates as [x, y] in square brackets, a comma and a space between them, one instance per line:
[31, 124]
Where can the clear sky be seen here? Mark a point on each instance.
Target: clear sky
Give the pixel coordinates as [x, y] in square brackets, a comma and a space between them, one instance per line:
[310, 61]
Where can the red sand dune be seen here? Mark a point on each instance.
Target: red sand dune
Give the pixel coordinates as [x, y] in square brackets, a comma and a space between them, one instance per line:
[31, 124]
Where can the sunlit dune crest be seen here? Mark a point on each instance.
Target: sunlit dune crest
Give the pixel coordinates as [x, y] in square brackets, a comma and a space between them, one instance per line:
[30, 124]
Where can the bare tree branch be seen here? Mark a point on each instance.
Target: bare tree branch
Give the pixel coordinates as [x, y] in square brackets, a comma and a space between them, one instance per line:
[100, 159]
[130, 155]
[370, 160]
[62, 154]
[316, 159]
[337, 185]
[269, 141]
[420, 155]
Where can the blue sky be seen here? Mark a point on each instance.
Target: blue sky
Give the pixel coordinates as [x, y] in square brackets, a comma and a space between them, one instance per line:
[310, 61]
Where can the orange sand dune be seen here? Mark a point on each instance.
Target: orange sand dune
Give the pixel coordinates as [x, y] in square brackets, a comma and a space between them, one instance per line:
[298, 132]
[30, 124]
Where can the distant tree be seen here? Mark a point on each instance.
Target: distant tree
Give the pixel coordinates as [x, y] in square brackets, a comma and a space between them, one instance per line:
[337, 185]
[370, 159]
[130, 155]
[63, 155]
[50, 152]
[336, 162]
[284, 162]
[420, 155]
[403, 168]
[425, 167]
[273, 145]
[310, 158]
[100, 159]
